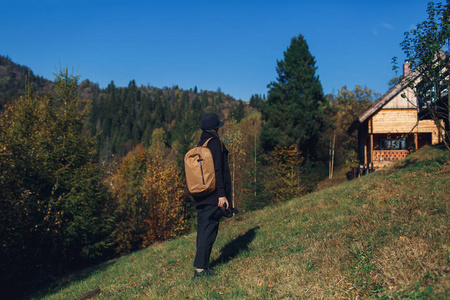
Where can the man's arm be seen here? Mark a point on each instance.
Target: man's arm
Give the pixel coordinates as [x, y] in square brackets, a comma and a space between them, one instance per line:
[215, 145]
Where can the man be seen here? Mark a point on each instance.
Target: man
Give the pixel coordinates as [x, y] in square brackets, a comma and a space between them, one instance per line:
[209, 207]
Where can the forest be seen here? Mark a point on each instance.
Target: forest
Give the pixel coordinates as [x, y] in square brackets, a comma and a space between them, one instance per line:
[87, 174]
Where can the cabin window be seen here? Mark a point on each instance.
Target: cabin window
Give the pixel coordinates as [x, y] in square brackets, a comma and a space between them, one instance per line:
[393, 144]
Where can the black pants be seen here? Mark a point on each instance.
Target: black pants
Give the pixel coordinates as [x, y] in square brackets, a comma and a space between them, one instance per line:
[207, 228]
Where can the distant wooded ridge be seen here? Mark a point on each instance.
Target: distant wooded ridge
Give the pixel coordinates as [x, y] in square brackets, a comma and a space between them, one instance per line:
[123, 117]
[14, 77]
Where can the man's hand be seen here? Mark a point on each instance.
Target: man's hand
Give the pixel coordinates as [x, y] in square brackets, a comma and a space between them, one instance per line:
[223, 202]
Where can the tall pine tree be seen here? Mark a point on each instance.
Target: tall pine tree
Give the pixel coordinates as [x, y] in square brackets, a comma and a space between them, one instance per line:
[296, 112]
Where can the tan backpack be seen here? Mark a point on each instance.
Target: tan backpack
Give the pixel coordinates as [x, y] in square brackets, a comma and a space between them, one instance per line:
[199, 168]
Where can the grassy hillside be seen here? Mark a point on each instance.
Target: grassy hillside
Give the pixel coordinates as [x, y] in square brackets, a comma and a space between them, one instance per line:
[385, 235]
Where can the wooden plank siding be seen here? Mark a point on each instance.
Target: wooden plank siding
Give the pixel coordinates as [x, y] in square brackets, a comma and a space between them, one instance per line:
[394, 121]
[399, 102]
[402, 121]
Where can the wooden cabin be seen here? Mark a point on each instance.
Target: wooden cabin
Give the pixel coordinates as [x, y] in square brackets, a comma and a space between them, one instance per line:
[390, 129]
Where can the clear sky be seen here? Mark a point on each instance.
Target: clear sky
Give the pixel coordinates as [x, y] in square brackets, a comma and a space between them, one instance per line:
[229, 44]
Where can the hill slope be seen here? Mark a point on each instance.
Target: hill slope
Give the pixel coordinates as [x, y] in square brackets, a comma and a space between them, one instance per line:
[384, 235]
[14, 78]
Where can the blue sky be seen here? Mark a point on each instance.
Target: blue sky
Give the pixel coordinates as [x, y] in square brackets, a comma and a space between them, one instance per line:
[230, 44]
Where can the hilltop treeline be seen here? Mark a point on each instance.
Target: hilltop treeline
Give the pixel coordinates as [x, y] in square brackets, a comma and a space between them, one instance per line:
[125, 117]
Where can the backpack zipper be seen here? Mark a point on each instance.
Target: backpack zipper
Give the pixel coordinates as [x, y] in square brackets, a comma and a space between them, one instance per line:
[201, 170]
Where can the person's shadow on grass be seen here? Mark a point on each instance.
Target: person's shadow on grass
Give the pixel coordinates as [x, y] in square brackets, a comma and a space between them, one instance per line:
[236, 246]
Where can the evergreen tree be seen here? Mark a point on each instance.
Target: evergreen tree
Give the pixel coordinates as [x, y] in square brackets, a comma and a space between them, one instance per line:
[54, 209]
[296, 112]
[237, 113]
[159, 112]
[255, 101]
[204, 100]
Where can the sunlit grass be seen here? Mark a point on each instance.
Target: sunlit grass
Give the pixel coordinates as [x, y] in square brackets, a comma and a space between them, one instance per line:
[384, 235]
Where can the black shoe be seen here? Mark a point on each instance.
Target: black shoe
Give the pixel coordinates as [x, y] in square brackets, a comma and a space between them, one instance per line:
[204, 273]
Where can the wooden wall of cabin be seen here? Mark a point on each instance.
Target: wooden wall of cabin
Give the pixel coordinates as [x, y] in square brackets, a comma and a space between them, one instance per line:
[394, 124]
[402, 121]
[399, 102]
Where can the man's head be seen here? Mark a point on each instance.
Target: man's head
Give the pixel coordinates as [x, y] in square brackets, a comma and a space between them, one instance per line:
[210, 121]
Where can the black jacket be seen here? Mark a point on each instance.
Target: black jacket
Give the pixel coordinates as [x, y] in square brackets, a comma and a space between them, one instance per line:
[223, 178]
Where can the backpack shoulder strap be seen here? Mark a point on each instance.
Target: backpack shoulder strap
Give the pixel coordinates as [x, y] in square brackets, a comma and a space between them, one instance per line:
[207, 141]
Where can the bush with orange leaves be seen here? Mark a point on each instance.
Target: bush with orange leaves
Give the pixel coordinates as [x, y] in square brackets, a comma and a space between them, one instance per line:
[163, 194]
[150, 200]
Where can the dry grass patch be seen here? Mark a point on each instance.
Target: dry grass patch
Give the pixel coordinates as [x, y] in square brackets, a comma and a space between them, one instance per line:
[406, 261]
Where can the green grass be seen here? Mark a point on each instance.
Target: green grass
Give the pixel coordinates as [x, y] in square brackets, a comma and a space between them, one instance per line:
[383, 236]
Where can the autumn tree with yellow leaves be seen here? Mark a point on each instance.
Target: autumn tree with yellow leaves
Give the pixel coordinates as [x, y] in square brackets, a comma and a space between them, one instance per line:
[125, 193]
[163, 196]
[149, 195]
[234, 142]
[286, 180]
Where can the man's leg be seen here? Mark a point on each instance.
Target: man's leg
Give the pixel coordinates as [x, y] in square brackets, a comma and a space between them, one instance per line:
[207, 228]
